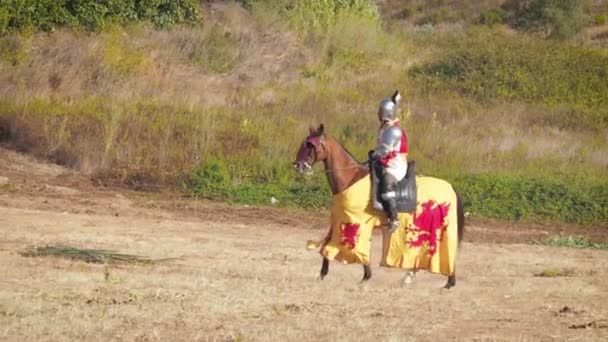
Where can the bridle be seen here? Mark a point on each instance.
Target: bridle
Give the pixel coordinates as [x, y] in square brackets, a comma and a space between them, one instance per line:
[353, 166]
[305, 160]
[312, 143]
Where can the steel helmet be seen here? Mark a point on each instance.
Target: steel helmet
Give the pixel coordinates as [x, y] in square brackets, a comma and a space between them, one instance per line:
[387, 110]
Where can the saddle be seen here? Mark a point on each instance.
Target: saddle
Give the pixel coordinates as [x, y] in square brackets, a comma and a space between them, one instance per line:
[406, 188]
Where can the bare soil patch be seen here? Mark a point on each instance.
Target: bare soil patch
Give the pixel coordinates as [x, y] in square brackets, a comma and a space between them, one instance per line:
[245, 274]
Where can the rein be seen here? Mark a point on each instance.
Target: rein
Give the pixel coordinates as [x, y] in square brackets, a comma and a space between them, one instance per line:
[344, 168]
[322, 143]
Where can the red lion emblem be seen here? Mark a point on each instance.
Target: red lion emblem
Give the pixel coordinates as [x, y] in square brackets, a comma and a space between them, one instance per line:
[431, 218]
[349, 234]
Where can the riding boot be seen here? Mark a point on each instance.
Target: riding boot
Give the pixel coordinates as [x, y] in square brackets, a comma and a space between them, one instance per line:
[389, 197]
[393, 220]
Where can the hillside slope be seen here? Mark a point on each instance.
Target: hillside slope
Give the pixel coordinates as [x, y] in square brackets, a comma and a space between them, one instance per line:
[149, 108]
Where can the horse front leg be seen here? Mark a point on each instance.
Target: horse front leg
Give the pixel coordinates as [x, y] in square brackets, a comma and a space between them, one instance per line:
[324, 269]
[367, 273]
[409, 277]
[451, 282]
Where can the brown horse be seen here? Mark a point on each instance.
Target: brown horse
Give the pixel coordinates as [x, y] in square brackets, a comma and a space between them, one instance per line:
[342, 171]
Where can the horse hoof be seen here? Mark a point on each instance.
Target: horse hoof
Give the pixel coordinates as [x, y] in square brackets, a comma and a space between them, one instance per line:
[363, 286]
[451, 282]
[409, 278]
[408, 281]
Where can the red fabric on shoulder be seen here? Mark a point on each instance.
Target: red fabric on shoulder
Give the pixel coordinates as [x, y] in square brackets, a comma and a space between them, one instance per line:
[403, 148]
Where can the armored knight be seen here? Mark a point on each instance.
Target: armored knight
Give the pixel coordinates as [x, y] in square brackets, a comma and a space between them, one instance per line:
[391, 154]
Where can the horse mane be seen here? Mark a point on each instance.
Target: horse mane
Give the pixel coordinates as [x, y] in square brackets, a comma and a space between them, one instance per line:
[343, 169]
[346, 150]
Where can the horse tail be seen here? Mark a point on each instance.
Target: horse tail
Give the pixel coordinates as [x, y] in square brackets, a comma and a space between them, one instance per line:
[460, 220]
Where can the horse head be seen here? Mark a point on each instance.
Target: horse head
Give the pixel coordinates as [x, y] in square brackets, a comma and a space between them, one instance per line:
[311, 151]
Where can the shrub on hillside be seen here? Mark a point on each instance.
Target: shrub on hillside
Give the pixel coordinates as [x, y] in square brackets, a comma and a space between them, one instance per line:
[318, 14]
[509, 197]
[46, 15]
[210, 179]
[488, 65]
[560, 19]
[213, 179]
[492, 17]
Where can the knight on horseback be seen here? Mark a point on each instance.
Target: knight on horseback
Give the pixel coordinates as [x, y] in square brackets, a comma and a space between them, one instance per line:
[391, 155]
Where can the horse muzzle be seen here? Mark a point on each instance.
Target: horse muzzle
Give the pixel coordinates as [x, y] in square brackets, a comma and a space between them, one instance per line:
[303, 167]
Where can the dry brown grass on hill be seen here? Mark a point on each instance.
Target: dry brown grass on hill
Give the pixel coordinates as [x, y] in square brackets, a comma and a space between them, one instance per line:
[147, 105]
[197, 66]
[422, 11]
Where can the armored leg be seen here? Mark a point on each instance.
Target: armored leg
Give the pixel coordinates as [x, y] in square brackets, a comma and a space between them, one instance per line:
[388, 188]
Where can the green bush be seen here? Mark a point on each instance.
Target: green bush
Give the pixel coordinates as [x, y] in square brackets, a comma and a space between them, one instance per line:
[46, 15]
[166, 13]
[308, 193]
[320, 15]
[213, 179]
[560, 19]
[492, 17]
[210, 179]
[535, 198]
[507, 197]
[600, 19]
[299, 193]
[489, 66]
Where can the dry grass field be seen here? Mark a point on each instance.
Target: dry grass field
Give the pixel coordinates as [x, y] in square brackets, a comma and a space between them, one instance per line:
[244, 274]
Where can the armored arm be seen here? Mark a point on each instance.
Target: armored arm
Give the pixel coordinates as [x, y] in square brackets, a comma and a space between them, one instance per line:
[389, 139]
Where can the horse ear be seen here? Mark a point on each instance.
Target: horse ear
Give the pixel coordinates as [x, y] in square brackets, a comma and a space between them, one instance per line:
[311, 130]
[396, 97]
[321, 129]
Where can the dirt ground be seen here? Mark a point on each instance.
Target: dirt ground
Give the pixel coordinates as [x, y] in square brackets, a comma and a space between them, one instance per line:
[245, 275]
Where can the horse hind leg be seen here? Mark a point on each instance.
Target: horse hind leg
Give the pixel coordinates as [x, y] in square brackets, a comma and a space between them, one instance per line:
[324, 269]
[451, 282]
[367, 273]
[460, 221]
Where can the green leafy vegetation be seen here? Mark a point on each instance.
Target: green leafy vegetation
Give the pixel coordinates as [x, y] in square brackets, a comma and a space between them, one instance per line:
[211, 179]
[559, 19]
[489, 66]
[542, 198]
[93, 15]
[318, 15]
[574, 242]
[492, 17]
